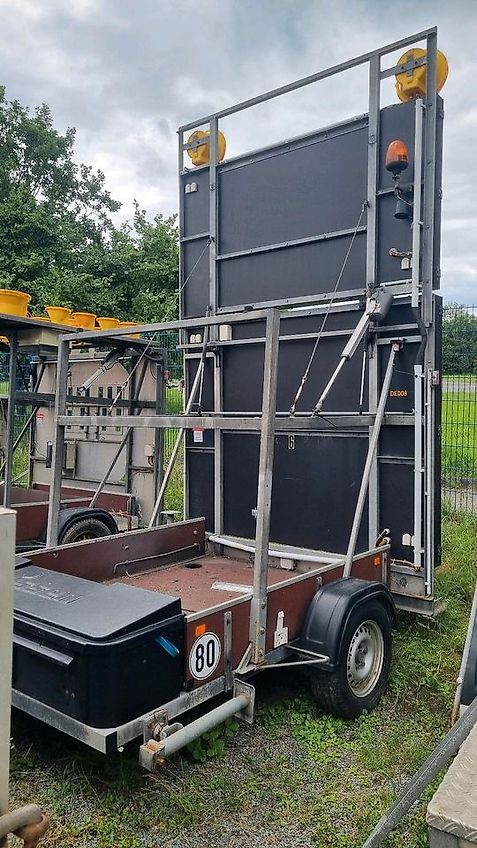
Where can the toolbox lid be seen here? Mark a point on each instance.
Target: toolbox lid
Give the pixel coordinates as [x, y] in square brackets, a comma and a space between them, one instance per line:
[94, 610]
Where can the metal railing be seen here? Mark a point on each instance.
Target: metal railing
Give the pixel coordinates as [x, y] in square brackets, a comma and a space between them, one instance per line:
[459, 407]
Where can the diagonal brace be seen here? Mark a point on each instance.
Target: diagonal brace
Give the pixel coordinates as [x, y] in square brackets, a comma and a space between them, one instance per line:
[396, 345]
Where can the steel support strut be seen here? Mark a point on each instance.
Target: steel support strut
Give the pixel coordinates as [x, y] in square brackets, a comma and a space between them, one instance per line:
[27, 821]
[12, 387]
[374, 121]
[348, 350]
[175, 450]
[373, 443]
[54, 504]
[7, 555]
[258, 611]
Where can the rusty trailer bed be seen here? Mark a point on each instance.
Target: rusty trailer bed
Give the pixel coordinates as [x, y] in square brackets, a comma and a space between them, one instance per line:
[206, 581]
[212, 577]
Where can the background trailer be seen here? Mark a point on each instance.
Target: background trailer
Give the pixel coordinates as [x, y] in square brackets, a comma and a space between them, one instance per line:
[109, 476]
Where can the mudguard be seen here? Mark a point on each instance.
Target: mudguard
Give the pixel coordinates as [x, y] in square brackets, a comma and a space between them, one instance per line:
[71, 515]
[330, 610]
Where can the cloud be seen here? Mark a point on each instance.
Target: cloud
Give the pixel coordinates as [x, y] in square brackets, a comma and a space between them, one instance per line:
[126, 74]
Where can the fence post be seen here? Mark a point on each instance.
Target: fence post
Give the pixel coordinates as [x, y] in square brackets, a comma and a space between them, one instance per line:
[7, 555]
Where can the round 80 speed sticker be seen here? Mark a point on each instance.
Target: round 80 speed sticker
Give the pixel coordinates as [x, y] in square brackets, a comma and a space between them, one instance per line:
[204, 656]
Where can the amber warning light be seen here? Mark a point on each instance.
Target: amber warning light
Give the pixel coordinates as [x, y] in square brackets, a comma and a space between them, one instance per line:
[397, 158]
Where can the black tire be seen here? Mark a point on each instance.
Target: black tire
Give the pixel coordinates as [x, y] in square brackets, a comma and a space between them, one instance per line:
[83, 529]
[353, 688]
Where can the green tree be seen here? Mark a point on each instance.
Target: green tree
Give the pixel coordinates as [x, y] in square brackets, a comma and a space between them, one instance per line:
[51, 209]
[57, 239]
[459, 340]
[140, 262]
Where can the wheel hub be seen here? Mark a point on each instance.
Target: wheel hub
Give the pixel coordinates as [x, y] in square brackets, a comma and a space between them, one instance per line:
[365, 658]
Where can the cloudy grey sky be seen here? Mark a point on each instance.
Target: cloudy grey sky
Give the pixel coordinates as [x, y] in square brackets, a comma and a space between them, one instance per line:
[126, 74]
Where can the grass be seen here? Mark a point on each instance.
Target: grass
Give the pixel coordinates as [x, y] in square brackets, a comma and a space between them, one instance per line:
[296, 777]
[174, 494]
[459, 441]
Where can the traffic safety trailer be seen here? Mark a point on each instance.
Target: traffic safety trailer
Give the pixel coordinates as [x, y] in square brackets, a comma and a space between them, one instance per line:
[310, 435]
[109, 476]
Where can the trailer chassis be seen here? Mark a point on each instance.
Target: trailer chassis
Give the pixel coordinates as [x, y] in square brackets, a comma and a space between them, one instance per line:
[159, 735]
[160, 729]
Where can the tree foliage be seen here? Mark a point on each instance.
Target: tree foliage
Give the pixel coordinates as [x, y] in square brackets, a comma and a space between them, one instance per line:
[58, 241]
[459, 345]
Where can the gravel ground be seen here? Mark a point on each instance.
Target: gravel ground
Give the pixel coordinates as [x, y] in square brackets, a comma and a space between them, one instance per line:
[270, 789]
[248, 771]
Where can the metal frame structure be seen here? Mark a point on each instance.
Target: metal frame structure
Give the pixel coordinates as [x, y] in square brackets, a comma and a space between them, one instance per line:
[40, 340]
[267, 422]
[30, 815]
[419, 286]
[15, 329]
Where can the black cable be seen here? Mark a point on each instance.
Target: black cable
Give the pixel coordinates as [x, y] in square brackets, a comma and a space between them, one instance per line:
[327, 312]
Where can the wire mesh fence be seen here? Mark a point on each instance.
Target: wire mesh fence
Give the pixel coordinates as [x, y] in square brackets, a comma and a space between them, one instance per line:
[23, 383]
[459, 407]
[22, 413]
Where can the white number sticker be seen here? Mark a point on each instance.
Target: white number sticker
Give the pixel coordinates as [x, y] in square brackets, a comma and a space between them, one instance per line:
[204, 656]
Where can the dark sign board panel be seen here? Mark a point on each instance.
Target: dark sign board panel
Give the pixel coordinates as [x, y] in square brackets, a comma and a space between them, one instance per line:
[243, 376]
[304, 270]
[195, 263]
[294, 192]
[308, 508]
[200, 477]
[315, 474]
[286, 216]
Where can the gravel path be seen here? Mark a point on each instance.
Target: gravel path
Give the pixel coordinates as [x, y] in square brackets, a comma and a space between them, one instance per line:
[295, 779]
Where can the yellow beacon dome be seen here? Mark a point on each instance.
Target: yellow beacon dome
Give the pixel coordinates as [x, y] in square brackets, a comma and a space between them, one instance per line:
[410, 84]
[201, 155]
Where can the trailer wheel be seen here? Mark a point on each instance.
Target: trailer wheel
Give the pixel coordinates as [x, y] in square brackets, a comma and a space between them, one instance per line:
[86, 528]
[363, 666]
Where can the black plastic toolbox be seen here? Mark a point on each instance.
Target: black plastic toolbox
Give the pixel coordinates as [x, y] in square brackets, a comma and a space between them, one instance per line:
[103, 654]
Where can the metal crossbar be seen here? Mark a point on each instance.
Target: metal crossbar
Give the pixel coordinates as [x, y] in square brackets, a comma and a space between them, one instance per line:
[400, 44]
